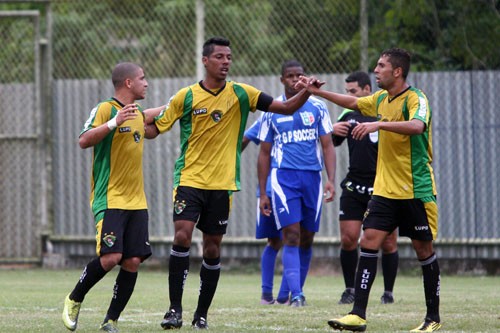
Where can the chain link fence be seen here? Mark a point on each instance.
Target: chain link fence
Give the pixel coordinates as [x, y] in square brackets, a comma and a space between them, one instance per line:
[48, 192]
[165, 36]
[20, 159]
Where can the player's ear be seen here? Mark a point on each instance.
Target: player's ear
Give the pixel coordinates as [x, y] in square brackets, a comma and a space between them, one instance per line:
[397, 72]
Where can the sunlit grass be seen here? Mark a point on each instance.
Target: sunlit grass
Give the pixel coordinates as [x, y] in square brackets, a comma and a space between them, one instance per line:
[31, 301]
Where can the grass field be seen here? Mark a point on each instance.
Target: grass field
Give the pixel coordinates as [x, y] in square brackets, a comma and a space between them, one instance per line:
[31, 301]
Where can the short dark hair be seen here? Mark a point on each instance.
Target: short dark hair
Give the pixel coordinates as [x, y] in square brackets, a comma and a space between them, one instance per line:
[399, 58]
[208, 46]
[362, 78]
[123, 71]
[290, 63]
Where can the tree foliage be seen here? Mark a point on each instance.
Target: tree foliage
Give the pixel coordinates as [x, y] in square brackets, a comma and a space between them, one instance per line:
[89, 37]
[441, 34]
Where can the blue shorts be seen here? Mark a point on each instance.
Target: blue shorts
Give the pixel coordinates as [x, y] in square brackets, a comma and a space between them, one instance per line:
[297, 196]
[265, 226]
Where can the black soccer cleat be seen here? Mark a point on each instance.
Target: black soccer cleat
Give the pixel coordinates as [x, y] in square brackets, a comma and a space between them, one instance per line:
[387, 298]
[347, 297]
[200, 323]
[172, 320]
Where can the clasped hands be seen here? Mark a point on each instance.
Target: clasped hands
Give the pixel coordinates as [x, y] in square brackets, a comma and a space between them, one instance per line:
[310, 83]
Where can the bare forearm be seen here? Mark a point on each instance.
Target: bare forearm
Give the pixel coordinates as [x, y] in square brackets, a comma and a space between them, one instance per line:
[263, 166]
[290, 105]
[330, 161]
[345, 101]
[412, 127]
[244, 143]
[150, 114]
[150, 131]
[93, 136]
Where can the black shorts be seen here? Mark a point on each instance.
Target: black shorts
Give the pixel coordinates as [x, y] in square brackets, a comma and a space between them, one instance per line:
[416, 218]
[209, 209]
[124, 231]
[352, 205]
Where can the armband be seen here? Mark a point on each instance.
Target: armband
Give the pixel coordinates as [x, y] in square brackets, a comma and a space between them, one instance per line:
[112, 124]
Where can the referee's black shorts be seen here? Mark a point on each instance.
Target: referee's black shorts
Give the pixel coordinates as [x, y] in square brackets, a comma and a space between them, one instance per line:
[353, 205]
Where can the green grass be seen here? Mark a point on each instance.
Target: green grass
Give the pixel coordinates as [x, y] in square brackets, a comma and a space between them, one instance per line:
[31, 301]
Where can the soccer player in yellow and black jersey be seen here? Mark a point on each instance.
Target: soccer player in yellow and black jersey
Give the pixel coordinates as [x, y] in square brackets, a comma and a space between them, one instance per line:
[212, 115]
[357, 188]
[404, 193]
[115, 130]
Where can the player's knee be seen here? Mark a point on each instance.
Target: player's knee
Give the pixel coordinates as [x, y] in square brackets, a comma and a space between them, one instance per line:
[348, 242]
[211, 251]
[275, 243]
[423, 249]
[291, 239]
[110, 260]
[182, 238]
[131, 264]
[389, 246]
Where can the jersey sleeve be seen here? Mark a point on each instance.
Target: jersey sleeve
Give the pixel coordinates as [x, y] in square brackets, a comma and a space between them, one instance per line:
[418, 107]
[253, 95]
[368, 105]
[252, 133]
[98, 116]
[174, 110]
[337, 139]
[266, 131]
[326, 126]
[343, 116]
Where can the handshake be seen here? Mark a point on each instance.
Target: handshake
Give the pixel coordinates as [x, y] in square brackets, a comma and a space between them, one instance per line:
[311, 84]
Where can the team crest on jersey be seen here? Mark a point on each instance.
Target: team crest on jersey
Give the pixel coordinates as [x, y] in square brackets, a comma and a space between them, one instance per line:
[109, 240]
[307, 118]
[137, 136]
[179, 206]
[216, 115]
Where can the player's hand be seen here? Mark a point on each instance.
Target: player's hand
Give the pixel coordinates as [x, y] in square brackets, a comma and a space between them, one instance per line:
[362, 129]
[313, 81]
[341, 128]
[311, 84]
[329, 191]
[265, 205]
[128, 112]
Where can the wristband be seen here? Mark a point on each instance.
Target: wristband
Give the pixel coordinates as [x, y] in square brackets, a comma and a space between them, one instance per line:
[112, 124]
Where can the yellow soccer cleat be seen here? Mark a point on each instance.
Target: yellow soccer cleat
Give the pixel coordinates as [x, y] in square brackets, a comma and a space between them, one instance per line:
[109, 325]
[427, 326]
[70, 313]
[350, 322]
